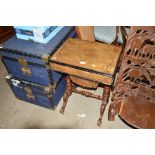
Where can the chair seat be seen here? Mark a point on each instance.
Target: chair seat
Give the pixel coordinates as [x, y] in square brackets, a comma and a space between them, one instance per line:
[106, 34]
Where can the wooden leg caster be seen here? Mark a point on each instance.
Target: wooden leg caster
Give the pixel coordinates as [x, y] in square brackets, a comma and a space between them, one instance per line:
[67, 94]
[105, 98]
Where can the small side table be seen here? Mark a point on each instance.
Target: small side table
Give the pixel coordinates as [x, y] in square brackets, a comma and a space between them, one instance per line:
[87, 64]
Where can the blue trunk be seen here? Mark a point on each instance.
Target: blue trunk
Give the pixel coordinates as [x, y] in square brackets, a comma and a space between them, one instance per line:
[37, 94]
[28, 60]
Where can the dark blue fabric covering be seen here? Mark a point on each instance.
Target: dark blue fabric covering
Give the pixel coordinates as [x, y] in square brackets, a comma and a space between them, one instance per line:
[31, 47]
[39, 75]
[41, 99]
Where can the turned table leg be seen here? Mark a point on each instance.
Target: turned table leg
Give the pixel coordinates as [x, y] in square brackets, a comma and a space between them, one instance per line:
[67, 94]
[105, 98]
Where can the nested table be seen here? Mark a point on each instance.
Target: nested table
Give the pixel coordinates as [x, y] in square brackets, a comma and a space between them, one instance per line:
[87, 64]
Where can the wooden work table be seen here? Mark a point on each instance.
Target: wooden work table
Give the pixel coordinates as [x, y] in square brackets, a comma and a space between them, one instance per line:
[87, 64]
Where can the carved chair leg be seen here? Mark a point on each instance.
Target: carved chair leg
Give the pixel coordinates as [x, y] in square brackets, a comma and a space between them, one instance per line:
[67, 94]
[105, 98]
[113, 110]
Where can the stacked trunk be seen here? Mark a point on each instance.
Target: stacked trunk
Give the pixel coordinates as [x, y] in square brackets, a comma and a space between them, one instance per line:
[30, 76]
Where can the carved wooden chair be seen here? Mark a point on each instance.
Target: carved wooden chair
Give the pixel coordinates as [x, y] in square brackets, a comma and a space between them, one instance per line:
[134, 94]
[111, 34]
[106, 34]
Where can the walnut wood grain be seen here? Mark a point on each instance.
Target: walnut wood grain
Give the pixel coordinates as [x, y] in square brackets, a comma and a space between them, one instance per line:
[82, 74]
[91, 55]
[84, 83]
[85, 33]
[96, 57]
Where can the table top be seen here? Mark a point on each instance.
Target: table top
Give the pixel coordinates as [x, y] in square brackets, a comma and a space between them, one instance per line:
[95, 56]
[92, 61]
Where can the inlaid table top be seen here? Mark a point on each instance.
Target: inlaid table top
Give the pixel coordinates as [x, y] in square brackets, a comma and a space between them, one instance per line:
[89, 60]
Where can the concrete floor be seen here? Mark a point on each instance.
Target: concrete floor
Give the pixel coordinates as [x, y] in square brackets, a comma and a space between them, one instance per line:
[81, 112]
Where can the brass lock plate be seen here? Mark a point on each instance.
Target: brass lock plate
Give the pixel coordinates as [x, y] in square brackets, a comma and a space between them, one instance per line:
[50, 88]
[22, 61]
[30, 96]
[28, 92]
[45, 57]
[26, 70]
[24, 67]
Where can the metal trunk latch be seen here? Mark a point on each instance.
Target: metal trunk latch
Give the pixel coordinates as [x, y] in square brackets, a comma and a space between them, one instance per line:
[28, 92]
[24, 67]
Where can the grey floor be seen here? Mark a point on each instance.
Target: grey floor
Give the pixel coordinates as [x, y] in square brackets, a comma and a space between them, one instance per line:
[81, 112]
